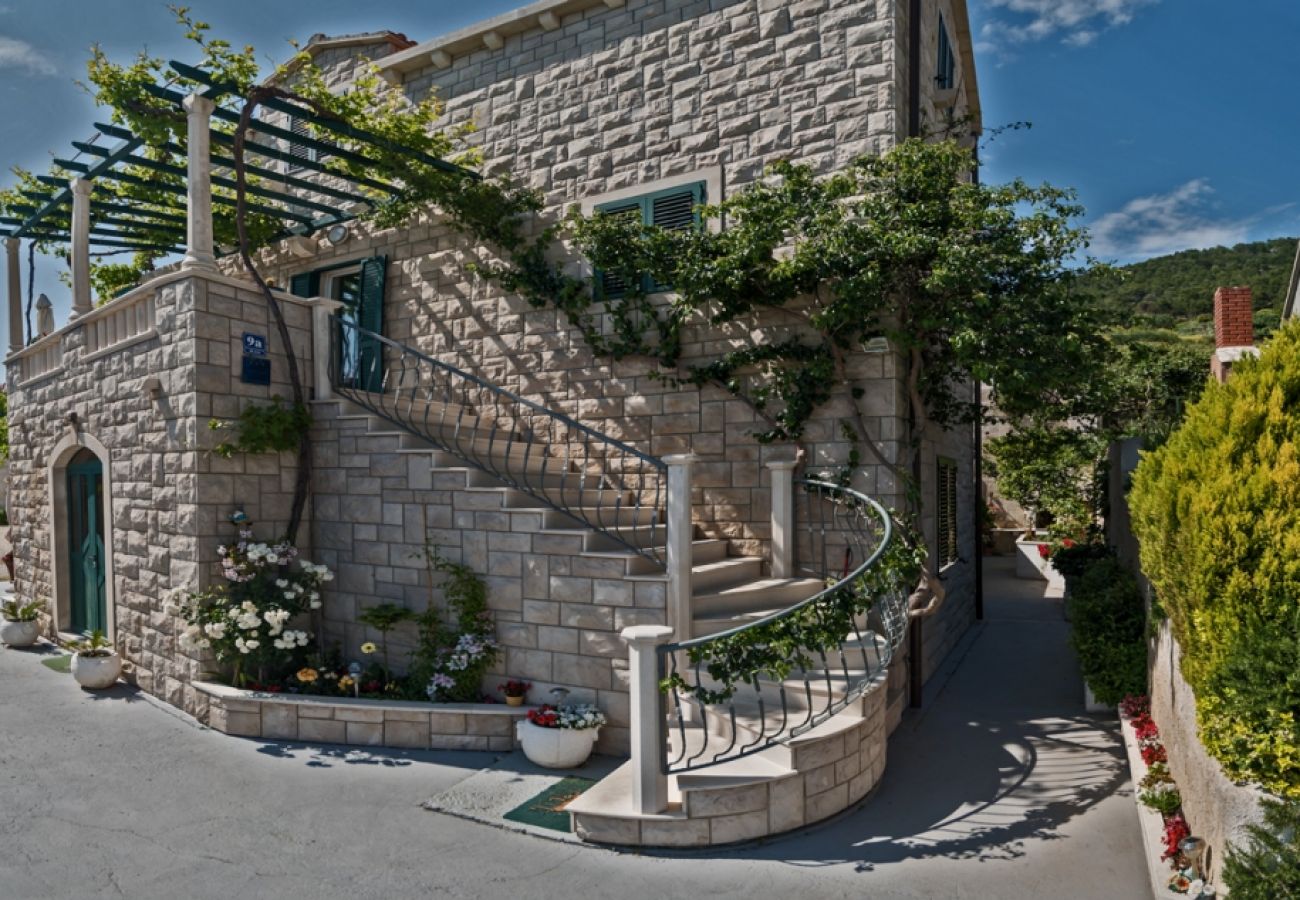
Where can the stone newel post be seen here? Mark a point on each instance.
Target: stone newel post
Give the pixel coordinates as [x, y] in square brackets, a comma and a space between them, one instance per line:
[782, 472]
[650, 783]
[15, 295]
[198, 217]
[81, 188]
[681, 533]
[322, 317]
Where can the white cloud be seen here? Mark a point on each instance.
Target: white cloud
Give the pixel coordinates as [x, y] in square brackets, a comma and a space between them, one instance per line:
[16, 54]
[1182, 219]
[1075, 23]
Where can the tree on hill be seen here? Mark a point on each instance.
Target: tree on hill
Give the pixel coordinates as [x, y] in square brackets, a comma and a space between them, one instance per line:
[1168, 289]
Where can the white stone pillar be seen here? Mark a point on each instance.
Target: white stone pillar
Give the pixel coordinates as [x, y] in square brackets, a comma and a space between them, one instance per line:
[322, 321]
[81, 188]
[681, 533]
[198, 215]
[782, 474]
[15, 295]
[649, 782]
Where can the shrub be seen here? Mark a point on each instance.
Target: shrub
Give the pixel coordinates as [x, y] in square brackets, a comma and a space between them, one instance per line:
[1072, 559]
[1217, 513]
[1268, 867]
[1109, 620]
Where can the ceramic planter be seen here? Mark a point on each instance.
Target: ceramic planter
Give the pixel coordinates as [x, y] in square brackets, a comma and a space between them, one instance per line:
[19, 634]
[96, 672]
[515, 701]
[556, 748]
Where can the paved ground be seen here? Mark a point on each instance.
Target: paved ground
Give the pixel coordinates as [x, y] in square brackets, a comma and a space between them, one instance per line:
[1001, 788]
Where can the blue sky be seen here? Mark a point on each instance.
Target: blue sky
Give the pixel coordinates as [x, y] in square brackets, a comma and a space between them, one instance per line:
[1173, 119]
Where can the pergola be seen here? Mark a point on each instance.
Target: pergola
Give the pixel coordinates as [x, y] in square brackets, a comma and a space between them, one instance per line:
[178, 216]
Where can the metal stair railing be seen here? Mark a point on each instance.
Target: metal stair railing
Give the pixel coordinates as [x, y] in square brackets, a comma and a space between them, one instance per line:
[741, 691]
[599, 481]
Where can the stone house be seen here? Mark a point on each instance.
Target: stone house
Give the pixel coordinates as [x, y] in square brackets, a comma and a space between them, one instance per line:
[117, 501]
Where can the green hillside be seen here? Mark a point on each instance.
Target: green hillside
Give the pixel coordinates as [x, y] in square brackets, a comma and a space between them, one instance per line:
[1177, 290]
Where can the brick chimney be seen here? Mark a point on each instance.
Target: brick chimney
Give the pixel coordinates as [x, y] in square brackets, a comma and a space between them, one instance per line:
[1234, 329]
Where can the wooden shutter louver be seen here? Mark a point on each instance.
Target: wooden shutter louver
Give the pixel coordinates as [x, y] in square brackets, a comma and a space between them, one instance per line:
[946, 512]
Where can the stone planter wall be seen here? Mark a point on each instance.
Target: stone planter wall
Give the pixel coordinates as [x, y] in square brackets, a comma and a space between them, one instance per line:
[366, 723]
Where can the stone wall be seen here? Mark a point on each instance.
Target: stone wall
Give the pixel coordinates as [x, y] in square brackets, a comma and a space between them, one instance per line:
[168, 497]
[620, 100]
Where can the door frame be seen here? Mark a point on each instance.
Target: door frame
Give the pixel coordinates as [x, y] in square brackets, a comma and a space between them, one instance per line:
[61, 574]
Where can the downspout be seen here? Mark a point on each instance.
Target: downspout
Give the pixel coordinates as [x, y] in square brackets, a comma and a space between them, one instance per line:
[915, 641]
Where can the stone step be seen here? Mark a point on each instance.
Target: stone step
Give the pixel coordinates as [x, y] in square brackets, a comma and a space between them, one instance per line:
[601, 516]
[713, 575]
[518, 465]
[551, 483]
[639, 567]
[760, 594]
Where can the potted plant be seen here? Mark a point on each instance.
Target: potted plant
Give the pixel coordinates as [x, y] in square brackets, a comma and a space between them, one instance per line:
[560, 737]
[515, 691]
[95, 664]
[21, 623]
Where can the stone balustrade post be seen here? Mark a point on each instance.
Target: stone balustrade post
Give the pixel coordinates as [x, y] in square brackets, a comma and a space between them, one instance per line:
[681, 534]
[81, 188]
[649, 724]
[782, 476]
[198, 213]
[322, 321]
[15, 295]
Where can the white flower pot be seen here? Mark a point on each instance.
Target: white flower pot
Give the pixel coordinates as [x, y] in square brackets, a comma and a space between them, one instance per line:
[19, 634]
[96, 672]
[556, 748]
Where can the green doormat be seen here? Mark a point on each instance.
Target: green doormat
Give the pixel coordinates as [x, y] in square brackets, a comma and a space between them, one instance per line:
[546, 810]
[59, 663]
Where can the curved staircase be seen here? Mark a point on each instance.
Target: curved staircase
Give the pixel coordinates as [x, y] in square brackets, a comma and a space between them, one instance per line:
[778, 752]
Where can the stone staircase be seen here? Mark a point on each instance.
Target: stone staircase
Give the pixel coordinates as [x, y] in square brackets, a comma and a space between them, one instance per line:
[785, 786]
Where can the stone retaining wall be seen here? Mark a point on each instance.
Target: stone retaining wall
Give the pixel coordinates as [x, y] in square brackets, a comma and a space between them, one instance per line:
[365, 723]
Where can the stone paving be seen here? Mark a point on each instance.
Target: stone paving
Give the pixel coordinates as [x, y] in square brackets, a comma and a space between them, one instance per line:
[1000, 788]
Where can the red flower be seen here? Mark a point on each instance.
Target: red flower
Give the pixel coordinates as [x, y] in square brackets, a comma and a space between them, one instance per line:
[1134, 706]
[544, 717]
[1044, 550]
[1176, 829]
[1153, 753]
[1067, 543]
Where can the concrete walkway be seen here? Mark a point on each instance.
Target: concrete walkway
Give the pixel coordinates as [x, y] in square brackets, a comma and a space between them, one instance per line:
[1000, 788]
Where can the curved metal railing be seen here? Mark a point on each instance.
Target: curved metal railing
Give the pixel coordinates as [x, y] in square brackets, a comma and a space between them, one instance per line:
[599, 481]
[740, 691]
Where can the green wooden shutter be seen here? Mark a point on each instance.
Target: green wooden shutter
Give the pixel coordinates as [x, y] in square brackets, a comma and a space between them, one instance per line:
[370, 317]
[305, 284]
[609, 285]
[674, 210]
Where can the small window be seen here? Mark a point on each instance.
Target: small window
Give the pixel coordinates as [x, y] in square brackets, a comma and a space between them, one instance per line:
[301, 150]
[675, 209]
[946, 511]
[946, 69]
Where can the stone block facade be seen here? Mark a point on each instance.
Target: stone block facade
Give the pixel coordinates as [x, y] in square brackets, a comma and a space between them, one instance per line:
[137, 383]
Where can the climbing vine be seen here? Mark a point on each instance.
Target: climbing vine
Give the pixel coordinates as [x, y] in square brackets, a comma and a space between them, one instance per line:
[264, 428]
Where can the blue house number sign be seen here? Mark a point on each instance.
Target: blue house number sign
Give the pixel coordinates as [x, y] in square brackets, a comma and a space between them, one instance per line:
[254, 344]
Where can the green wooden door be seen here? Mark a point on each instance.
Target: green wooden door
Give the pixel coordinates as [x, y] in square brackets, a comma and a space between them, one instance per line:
[361, 356]
[86, 561]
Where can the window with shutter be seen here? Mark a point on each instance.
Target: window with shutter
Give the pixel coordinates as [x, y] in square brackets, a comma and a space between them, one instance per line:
[946, 512]
[945, 76]
[673, 209]
[301, 150]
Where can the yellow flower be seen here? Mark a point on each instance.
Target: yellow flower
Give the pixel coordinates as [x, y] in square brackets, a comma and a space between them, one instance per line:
[345, 682]
[368, 647]
[308, 675]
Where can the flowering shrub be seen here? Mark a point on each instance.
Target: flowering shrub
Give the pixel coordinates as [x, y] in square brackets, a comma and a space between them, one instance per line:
[460, 667]
[1135, 704]
[1163, 797]
[515, 688]
[246, 621]
[576, 716]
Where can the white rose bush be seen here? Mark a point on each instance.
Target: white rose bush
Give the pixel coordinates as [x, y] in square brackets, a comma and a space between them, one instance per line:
[247, 621]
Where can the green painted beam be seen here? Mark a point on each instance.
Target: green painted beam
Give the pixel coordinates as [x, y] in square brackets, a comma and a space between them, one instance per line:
[228, 162]
[335, 125]
[127, 178]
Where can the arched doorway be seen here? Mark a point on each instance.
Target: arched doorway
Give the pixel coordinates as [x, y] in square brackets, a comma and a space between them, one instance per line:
[81, 514]
[87, 563]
